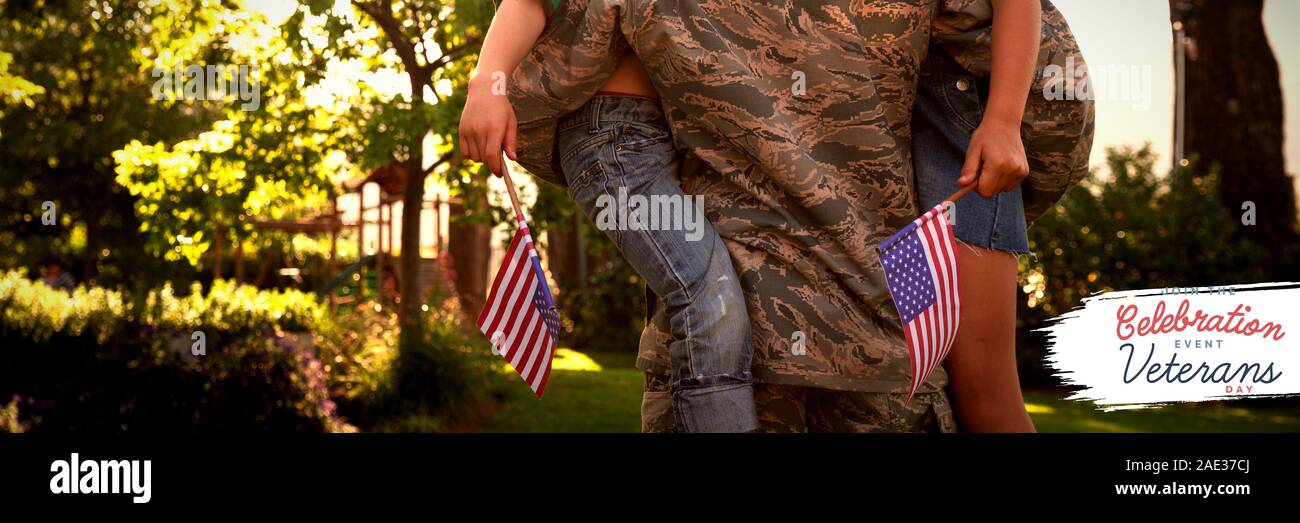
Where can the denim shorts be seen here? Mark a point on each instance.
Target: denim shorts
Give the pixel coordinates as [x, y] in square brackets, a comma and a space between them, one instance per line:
[949, 106]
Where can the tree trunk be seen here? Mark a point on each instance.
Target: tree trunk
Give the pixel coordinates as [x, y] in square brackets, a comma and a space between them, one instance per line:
[1234, 119]
[469, 243]
[92, 247]
[409, 313]
[565, 253]
[218, 245]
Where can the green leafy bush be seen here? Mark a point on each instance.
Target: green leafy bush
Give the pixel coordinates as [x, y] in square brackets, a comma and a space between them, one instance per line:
[75, 383]
[36, 311]
[92, 360]
[95, 360]
[231, 308]
[9, 422]
[358, 350]
[421, 387]
[609, 314]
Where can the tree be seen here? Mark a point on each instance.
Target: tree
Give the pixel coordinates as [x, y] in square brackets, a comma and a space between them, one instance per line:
[271, 156]
[85, 58]
[433, 42]
[279, 158]
[1234, 118]
[15, 89]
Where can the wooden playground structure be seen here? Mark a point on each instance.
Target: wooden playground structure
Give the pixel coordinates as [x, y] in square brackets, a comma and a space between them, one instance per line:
[375, 273]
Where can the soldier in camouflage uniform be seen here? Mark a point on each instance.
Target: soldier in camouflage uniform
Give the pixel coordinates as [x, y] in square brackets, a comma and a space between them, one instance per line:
[794, 122]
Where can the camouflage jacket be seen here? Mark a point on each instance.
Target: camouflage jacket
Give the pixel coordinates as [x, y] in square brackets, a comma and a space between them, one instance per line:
[795, 120]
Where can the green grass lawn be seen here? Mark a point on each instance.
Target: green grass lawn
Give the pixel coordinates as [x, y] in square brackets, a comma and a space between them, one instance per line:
[587, 400]
[1052, 413]
[602, 393]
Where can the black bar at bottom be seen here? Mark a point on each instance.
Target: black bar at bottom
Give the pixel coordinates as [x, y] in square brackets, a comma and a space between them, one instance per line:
[510, 471]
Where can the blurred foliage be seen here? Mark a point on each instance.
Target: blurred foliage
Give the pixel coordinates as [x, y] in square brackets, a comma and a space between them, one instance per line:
[9, 422]
[1131, 229]
[231, 308]
[442, 376]
[14, 89]
[274, 159]
[441, 379]
[87, 129]
[118, 161]
[357, 350]
[92, 359]
[89, 61]
[34, 311]
[139, 383]
[431, 45]
[606, 314]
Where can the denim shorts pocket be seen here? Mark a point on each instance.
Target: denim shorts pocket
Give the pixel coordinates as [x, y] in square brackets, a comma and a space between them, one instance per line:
[961, 91]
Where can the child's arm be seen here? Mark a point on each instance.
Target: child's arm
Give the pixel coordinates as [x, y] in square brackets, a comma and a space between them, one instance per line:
[487, 124]
[996, 145]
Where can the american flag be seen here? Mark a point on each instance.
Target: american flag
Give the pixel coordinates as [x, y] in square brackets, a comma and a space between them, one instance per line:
[519, 317]
[920, 264]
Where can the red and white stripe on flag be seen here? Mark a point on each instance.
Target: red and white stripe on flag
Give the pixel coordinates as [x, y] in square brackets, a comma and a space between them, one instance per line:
[920, 263]
[513, 317]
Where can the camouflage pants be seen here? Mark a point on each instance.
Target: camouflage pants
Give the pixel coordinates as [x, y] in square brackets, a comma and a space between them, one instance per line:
[793, 408]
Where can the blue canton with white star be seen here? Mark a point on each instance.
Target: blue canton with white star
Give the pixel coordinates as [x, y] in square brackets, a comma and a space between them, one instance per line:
[908, 275]
[542, 300]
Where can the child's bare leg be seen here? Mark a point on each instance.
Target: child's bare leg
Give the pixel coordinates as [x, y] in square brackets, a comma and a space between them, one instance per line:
[982, 364]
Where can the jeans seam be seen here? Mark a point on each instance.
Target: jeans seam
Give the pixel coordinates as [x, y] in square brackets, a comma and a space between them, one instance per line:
[997, 209]
[690, 336]
[595, 115]
[567, 123]
[581, 145]
[716, 387]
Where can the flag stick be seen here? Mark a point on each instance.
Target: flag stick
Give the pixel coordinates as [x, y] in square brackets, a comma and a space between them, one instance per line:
[960, 193]
[514, 197]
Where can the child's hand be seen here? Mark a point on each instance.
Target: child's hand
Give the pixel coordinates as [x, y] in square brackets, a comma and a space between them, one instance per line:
[487, 126]
[995, 158]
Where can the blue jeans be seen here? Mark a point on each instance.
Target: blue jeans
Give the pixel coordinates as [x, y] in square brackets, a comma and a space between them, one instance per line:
[621, 168]
[949, 107]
